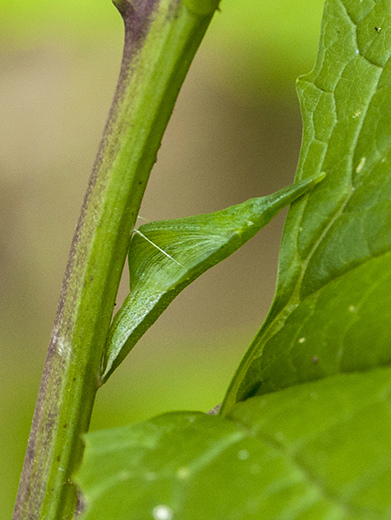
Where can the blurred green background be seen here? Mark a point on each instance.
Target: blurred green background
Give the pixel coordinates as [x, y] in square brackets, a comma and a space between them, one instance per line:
[235, 134]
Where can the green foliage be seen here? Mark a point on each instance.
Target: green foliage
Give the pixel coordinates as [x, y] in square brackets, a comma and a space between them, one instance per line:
[316, 443]
[305, 452]
[332, 299]
[166, 256]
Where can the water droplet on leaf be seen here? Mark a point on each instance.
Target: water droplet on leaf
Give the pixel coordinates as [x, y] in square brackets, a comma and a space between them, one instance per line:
[162, 513]
[243, 455]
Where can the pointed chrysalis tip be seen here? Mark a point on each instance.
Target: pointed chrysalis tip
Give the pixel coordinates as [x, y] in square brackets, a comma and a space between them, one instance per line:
[313, 180]
[318, 178]
[321, 176]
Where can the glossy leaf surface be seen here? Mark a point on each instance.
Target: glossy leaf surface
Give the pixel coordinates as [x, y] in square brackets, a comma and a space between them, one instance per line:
[166, 256]
[333, 297]
[314, 451]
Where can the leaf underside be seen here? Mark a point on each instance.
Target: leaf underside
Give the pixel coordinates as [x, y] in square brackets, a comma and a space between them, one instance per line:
[313, 443]
[333, 297]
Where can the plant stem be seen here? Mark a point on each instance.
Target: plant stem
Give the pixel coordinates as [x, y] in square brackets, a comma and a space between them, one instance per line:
[161, 38]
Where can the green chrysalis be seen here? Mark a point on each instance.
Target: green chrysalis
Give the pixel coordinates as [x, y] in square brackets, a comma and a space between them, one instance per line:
[167, 255]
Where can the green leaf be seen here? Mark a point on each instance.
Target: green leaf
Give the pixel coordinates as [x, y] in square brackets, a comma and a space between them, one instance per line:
[166, 256]
[320, 450]
[333, 299]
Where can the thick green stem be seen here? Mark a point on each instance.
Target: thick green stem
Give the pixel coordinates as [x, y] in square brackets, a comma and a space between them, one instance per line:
[161, 38]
